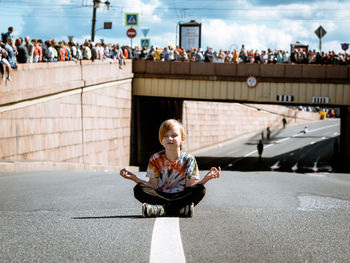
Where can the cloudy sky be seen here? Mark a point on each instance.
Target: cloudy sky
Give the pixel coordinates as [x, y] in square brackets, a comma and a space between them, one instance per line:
[226, 24]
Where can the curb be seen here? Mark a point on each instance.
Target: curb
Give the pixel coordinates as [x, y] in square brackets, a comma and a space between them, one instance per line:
[25, 166]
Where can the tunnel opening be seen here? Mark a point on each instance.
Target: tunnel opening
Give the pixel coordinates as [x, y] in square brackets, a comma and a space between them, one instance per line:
[148, 114]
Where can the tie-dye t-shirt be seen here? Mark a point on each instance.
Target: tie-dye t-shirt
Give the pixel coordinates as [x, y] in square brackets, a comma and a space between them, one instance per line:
[172, 175]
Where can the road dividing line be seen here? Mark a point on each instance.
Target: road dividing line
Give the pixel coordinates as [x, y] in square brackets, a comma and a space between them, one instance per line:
[282, 140]
[325, 127]
[248, 154]
[255, 151]
[166, 245]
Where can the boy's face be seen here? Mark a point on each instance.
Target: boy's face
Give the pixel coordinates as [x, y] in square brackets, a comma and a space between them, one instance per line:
[172, 138]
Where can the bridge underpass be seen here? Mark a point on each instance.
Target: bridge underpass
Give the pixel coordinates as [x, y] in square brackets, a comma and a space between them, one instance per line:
[159, 89]
[288, 150]
[148, 113]
[317, 153]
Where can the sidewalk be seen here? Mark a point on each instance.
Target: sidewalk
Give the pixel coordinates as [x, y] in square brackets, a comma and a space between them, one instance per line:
[23, 166]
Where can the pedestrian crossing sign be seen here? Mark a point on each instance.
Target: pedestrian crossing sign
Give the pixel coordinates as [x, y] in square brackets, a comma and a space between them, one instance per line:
[131, 19]
[145, 43]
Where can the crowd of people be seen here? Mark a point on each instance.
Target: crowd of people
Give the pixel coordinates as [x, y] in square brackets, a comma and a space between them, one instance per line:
[19, 50]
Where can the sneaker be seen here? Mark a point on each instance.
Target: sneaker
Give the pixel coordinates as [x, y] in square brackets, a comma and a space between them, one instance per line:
[187, 211]
[152, 210]
[9, 79]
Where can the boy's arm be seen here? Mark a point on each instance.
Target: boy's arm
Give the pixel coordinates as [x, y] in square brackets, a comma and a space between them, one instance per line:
[213, 173]
[130, 176]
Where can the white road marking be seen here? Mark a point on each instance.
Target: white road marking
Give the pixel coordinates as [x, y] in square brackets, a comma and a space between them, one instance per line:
[295, 135]
[232, 152]
[318, 129]
[166, 245]
[282, 140]
[267, 146]
[325, 127]
[250, 153]
[255, 151]
[312, 142]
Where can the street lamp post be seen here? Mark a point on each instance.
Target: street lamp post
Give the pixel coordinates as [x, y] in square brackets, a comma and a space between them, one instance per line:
[96, 4]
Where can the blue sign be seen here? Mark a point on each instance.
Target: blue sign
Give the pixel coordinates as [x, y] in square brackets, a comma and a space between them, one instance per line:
[145, 31]
[145, 43]
[345, 46]
[132, 19]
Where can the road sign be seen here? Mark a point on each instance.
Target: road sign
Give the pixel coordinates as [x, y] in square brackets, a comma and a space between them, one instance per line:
[251, 82]
[145, 31]
[145, 42]
[131, 19]
[107, 25]
[344, 46]
[320, 32]
[131, 33]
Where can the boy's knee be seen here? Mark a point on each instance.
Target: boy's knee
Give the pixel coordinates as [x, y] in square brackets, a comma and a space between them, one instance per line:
[199, 189]
[138, 190]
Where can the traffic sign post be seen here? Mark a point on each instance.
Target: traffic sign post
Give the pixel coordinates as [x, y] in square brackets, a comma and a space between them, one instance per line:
[145, 31]
[131, 33]
[131, 19]
[145, 43]
[344, 46]
[320, 32]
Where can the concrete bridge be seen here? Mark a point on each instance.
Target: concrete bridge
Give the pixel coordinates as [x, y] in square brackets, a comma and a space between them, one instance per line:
[291, 84]
[94, 114]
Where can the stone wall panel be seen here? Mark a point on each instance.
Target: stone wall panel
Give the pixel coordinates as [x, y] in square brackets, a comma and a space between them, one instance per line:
[207, 124]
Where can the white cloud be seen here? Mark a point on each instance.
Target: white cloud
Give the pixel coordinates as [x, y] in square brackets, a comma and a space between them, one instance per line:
[258, 27]
[278, 27]
[219, 34]
[145, 10]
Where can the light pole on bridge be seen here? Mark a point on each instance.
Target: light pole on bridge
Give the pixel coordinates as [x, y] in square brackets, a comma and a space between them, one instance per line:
[96, 4]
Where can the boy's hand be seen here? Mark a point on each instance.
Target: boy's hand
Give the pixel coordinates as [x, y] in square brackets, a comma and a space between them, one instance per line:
[127, 175]
[213, 173]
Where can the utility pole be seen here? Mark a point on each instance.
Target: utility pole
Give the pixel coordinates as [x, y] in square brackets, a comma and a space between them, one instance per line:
[96, 4]
[93, 22]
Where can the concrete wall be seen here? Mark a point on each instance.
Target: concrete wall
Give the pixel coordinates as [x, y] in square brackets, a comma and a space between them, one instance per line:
[76, 113]
[207, 124]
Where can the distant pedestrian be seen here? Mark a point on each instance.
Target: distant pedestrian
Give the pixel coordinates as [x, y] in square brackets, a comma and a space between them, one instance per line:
[284, 121]
[268, 132]
[260, 147]
[262, 135]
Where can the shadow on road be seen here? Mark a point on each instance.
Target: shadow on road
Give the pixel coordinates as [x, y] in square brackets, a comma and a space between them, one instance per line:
[108, 217]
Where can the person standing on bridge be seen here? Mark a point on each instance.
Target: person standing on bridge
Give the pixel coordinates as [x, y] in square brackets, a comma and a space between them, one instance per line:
[174, 186]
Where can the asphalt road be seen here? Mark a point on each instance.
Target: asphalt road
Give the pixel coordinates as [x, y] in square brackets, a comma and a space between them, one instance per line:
[244, 217]
[287, 148]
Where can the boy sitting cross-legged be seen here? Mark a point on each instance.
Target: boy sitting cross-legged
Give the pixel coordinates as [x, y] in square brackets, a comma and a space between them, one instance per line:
[174, 185]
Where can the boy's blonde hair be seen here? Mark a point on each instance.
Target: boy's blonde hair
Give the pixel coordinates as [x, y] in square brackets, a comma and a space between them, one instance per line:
[169, 124]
